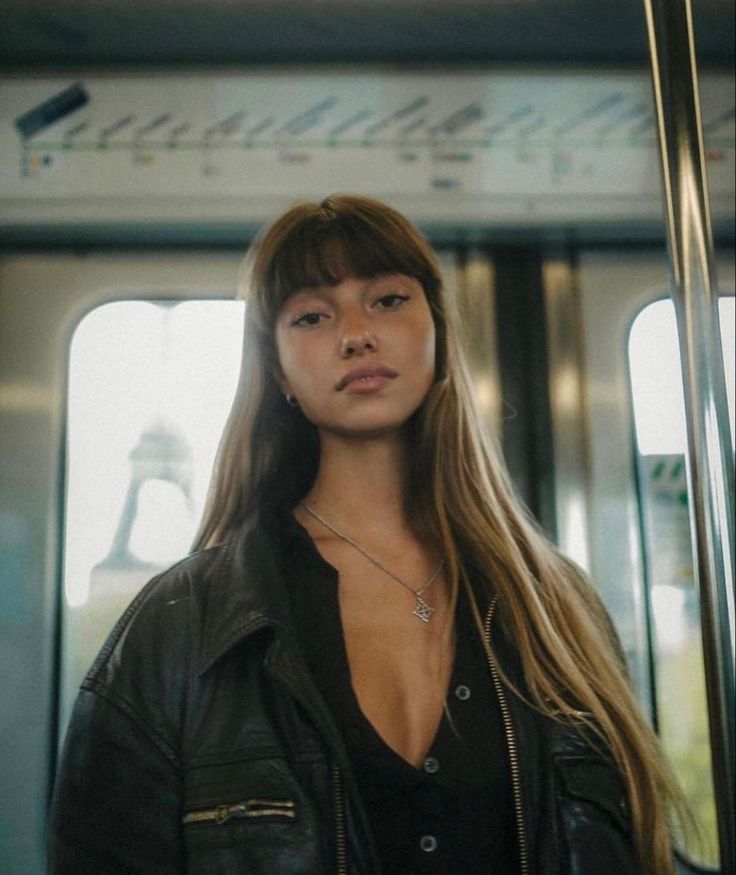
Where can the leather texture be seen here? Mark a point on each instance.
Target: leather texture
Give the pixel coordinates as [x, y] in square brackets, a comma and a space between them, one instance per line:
[199, 744]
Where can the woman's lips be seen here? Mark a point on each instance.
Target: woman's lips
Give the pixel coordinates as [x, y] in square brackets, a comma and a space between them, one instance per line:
[366, 379]
[364, 385]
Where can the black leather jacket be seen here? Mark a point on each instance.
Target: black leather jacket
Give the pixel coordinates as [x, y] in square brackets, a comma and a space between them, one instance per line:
[200, 744]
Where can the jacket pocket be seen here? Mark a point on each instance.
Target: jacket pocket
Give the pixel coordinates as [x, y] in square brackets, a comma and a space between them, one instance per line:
[244, 802]
[594, 818]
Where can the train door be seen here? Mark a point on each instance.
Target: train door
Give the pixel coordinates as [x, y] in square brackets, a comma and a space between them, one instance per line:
[638, 511]
[78, 330]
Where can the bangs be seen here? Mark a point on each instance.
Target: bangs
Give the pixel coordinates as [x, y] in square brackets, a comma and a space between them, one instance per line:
[324, 253]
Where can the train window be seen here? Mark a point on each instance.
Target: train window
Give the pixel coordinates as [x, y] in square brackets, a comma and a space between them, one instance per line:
[679, 682]
[150, 384]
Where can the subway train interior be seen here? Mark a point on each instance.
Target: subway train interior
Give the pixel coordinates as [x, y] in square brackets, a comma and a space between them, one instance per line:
[142, 146]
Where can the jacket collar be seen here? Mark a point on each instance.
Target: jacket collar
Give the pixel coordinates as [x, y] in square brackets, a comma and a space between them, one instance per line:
[246, 591]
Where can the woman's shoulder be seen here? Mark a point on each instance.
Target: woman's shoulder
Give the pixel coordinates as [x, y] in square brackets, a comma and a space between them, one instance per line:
[185, 581]
[183, 584]
[191, 612]
[160, 628]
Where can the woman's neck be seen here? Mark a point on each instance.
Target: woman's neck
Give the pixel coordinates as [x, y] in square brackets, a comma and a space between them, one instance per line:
[362, 484]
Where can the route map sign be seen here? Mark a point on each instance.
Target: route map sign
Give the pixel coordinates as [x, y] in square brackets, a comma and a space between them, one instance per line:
[493, 146]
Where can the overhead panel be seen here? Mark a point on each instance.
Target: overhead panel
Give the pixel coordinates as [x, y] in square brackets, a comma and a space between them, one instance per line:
[498, 148]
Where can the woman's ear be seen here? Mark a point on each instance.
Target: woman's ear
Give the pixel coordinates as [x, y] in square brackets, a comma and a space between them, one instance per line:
[281, 380]
[285, 388]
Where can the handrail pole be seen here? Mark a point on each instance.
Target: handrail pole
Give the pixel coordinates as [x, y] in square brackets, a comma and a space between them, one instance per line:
[710, 459]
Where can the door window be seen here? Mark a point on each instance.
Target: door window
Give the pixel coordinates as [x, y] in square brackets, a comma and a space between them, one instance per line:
[679, 690]
[150, 386]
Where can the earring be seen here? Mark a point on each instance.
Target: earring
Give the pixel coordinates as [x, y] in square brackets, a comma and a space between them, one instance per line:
[291, 400]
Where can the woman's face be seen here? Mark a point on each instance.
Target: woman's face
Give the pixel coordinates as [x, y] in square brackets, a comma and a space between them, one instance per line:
[359, 356]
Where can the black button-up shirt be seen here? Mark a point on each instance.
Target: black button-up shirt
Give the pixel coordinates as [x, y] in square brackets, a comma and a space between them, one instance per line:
[455, 812]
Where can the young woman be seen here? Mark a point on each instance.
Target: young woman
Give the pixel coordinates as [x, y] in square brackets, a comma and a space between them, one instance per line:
[375, 662]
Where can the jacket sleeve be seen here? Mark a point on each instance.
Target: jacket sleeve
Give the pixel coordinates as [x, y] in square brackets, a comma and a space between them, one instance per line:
[117, 800]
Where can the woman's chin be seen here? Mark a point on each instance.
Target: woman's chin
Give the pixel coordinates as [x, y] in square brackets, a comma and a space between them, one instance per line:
[364, 428]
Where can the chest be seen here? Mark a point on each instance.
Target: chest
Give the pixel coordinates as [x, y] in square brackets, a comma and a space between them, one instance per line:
[399, 665]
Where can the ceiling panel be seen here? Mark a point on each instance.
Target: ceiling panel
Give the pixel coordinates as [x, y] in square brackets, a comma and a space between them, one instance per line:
[83, 33]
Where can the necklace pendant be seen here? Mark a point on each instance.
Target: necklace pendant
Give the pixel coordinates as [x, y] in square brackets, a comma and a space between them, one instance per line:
[423, 610]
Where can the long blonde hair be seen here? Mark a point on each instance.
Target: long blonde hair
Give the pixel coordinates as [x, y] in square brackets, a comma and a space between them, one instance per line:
[269, 454]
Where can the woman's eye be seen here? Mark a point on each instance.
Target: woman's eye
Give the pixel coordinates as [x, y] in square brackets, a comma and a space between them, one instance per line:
[391, 302]
[307, 319]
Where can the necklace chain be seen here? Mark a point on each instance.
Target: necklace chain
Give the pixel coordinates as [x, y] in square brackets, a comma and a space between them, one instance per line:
[423, 610]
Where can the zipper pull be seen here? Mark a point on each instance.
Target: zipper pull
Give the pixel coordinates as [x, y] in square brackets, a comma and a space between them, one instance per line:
[223, 813]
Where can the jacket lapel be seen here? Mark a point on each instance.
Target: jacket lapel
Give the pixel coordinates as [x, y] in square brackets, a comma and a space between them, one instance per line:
[245, 593]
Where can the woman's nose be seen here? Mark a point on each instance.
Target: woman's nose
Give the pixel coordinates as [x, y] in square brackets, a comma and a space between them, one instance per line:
[357, 343]
[356, 337]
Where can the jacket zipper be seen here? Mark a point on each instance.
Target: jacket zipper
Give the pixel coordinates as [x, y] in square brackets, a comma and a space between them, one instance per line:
[339, 801]
[513, 751]
[251, 808]
[511, 743]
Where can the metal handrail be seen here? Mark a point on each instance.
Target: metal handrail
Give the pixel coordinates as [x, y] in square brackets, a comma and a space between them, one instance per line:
[710, 462]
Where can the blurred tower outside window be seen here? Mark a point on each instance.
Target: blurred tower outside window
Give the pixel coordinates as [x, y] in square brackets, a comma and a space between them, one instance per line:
[150, 387]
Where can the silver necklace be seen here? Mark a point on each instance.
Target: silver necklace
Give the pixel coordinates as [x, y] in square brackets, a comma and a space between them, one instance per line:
[423, 610]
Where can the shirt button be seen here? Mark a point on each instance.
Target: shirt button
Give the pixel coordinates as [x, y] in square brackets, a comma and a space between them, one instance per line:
[462, 692]
[428, 844]
[430, 765]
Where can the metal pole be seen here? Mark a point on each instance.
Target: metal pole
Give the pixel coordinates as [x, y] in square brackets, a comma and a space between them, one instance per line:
[710, 462]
